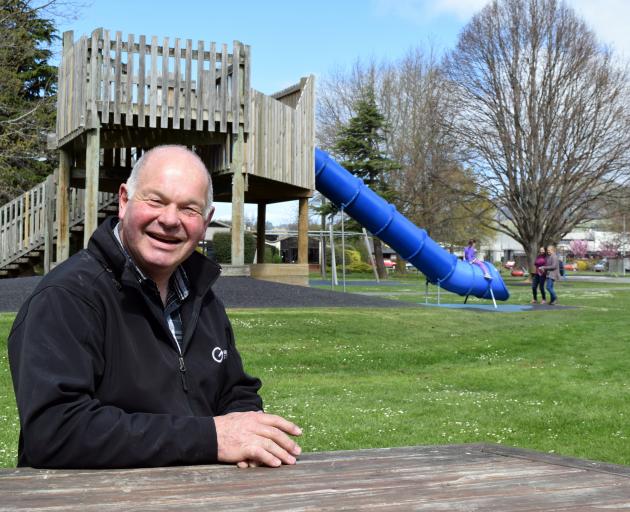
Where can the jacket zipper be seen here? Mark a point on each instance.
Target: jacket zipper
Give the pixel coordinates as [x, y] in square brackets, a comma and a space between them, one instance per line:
[182, 365]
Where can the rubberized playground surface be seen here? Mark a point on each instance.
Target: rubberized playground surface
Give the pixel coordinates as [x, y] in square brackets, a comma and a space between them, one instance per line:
[235, 292]
[246, 292]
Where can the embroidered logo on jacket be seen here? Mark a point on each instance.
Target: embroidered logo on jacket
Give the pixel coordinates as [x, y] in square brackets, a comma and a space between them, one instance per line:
[218, 354]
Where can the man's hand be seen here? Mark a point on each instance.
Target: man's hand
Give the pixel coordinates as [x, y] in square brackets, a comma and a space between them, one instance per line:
[256, 438]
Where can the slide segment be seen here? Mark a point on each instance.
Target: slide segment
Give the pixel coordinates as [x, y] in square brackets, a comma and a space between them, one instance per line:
[411, 242]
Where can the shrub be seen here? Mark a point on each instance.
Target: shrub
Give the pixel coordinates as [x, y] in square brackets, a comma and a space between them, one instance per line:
[222, 245]
[582, 265]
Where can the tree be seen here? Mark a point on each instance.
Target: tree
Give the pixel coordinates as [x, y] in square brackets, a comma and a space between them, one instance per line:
[359, 145]
[27, 88]
[579, 248]
[413, 96]
[542, 116]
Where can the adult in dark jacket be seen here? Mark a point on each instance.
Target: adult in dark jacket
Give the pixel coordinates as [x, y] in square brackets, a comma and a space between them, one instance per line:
[124, 357]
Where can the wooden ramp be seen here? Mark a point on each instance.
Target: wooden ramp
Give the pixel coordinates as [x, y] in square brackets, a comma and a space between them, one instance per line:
[455, 477]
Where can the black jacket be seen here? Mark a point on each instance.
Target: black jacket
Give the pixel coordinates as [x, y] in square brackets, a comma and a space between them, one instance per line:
[97, 375]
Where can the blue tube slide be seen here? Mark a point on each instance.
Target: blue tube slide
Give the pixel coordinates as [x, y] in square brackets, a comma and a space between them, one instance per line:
[411, 242]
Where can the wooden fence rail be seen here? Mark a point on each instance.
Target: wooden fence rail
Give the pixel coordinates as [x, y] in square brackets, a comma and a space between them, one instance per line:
[24, 221]
[151, 83]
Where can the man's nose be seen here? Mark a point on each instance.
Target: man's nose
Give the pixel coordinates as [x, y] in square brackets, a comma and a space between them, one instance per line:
[169, 215]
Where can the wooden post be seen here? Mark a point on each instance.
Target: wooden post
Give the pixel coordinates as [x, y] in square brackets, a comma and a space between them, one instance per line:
[49, 222]
[238, 201]
[260, 228]
[92, 160]
[63, 205]
[303, 231]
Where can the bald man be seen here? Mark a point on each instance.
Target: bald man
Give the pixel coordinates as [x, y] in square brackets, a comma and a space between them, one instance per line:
[124, 357]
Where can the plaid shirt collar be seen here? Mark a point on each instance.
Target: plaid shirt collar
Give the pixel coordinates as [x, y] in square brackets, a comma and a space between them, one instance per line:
[178, 285]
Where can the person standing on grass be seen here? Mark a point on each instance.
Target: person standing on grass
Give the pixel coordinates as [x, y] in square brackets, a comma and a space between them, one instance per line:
[470, 255]
[538, 279]
[552, 268]
[124, 357]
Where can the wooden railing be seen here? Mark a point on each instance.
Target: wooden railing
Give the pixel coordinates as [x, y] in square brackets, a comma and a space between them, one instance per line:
[281, 147]
[143, 83]
[24, 222]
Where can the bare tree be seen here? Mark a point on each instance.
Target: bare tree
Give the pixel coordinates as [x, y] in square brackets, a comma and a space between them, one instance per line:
[542, 116]
[412, 95]
[430, 181]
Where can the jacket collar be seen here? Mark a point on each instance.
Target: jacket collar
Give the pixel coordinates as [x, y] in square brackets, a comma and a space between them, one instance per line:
[202, 272]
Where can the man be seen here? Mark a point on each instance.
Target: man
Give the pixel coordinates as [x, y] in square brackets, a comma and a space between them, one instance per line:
[124, 357]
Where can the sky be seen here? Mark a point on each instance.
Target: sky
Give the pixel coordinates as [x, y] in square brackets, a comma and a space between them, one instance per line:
[291, 39]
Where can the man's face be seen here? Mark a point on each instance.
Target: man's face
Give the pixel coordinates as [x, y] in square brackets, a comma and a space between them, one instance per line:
[163, 223]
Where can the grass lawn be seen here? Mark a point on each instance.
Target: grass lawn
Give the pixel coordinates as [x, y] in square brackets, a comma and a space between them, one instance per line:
[555, 381]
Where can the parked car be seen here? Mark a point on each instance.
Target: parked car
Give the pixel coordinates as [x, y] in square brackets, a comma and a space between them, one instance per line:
[600, 266]
[570, 267]
[389, 263]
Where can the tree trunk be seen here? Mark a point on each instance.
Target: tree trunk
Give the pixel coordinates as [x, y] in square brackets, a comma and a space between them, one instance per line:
[378, 257]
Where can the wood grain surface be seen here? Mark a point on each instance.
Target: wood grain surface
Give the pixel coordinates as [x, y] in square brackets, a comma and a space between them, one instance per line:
[456, 477]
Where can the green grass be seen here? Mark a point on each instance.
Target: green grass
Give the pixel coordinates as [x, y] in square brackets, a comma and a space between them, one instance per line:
[554, 381]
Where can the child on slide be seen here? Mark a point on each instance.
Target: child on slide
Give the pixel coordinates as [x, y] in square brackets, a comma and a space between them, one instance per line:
[470, 255]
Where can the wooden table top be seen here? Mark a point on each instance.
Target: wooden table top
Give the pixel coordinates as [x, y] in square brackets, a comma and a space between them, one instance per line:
[452, 477]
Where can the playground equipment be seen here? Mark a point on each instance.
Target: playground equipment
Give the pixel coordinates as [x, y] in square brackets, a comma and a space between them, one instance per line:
[413, 244]
[118, 96]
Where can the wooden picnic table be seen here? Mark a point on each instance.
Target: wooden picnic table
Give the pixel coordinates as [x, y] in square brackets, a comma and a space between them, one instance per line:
[452, 477]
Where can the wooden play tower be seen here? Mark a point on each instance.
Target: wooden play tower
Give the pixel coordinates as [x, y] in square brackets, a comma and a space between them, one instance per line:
[121, 95]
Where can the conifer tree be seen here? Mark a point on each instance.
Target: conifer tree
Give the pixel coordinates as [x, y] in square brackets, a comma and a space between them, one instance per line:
[359, 146]
[27, 89]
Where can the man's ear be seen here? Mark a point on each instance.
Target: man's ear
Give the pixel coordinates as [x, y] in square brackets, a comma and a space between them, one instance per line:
[123, 199]
[209, 217]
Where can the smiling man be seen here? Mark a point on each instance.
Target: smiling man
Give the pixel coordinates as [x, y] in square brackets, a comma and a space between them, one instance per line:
[124, 357]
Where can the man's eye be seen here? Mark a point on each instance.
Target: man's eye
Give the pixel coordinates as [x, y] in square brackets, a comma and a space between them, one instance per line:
[154, 202]
[191, 211]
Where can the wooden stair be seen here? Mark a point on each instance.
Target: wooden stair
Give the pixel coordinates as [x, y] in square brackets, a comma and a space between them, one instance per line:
[24, 221]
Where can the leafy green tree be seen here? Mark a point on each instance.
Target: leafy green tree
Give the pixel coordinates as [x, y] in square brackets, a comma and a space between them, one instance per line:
[27, 89]
[359, 146]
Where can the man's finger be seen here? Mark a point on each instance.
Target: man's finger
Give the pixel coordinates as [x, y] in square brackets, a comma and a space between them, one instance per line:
[281, 439]
[280, 423]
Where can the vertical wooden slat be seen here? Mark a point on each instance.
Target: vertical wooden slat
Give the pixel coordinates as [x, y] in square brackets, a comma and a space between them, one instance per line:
[200, 85]
[69, 71]
[130, 80]
[95, 79]
[165, 83]
[188, 85]
[224, 89]
[177, 85]
[107, 64]
[153, 93]
[118, 91]
[92, 156]
[247, 89]
[141, 79]
[49, 219]
[63, 205]
[72, 99]
[236, 91]
[83, 85]
[211, 87]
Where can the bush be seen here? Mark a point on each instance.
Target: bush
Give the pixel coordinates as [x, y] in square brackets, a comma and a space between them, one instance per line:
[582, 265]
[222, 245]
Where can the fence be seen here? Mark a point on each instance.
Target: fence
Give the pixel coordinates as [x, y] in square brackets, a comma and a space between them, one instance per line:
[26, 220]
[122, 80]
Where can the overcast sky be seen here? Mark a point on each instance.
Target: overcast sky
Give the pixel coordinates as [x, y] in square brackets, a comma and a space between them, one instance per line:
[292, 38]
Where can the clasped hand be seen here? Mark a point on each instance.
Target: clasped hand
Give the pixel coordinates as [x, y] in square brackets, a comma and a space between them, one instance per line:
[250, 439]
